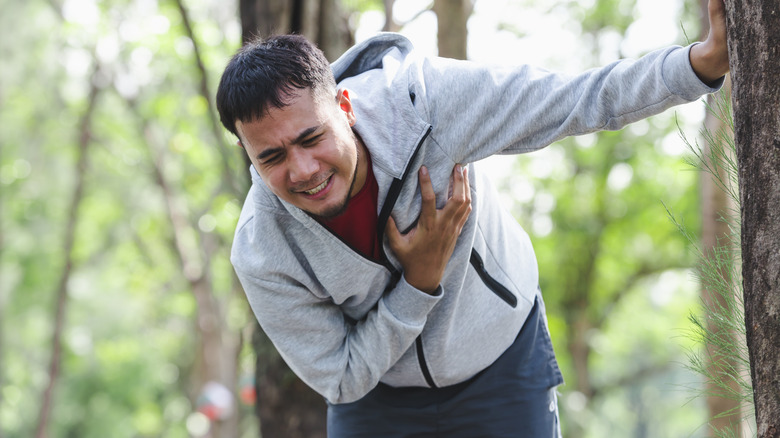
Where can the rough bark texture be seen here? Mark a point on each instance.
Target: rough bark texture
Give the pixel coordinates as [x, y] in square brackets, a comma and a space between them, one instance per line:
[285, 405]
[754, 50]
[322, 21]
[452, 31]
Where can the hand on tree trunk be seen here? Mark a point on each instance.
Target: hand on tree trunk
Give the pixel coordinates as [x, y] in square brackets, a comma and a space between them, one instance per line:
[710, 59]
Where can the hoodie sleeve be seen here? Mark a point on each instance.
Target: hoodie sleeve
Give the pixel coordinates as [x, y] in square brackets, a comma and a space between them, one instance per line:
[478, 111]
[339, 358]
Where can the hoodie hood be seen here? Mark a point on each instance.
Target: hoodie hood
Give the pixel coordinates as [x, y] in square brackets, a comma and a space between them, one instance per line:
[381, 75]
[368, 55]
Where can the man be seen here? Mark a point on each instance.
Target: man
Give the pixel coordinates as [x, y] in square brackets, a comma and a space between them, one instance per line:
[377, 259]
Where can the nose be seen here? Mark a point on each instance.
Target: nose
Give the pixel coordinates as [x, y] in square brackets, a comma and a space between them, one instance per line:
[301, 165]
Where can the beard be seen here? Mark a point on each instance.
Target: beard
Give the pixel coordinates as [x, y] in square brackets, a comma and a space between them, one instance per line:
[341, 207]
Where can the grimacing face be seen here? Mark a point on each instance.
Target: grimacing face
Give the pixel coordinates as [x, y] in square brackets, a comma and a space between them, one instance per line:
[306, 152]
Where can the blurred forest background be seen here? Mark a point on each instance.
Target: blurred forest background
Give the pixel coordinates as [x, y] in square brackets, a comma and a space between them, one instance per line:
[120, 315]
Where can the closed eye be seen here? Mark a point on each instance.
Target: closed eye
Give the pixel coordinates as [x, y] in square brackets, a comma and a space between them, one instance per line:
[271, 158]
[311, 141]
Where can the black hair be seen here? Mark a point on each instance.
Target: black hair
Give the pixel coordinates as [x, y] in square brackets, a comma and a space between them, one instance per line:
[266, 73]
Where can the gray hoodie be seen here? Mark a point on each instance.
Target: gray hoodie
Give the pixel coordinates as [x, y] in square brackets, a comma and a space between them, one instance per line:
[343, 322]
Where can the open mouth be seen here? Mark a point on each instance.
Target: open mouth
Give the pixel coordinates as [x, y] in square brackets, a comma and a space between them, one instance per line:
[316, 190]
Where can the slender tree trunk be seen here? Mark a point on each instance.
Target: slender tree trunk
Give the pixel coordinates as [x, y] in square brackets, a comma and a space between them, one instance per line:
[2, 291]
[217, 358]
[452, 31]
[45, 407]
[390, 23]
[216, 128]
[754, 50]
[334, 36]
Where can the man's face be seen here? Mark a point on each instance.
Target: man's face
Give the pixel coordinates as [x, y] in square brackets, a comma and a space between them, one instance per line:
[306, 152]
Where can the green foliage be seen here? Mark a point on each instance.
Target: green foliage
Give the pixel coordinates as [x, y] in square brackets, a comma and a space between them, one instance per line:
[130, 337]
[718, 329]
[614, 274]
[608, 257]
[363, 5]
[613, 270]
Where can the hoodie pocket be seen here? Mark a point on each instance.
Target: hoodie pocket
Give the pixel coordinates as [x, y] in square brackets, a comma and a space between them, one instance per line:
[492, 284]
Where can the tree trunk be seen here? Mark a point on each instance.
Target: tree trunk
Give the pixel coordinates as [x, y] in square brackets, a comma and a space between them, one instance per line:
[60, 310]
[285, 406]
[322, 21]
[3, 318]
[754, 51]
[390, 23]
[452, 30]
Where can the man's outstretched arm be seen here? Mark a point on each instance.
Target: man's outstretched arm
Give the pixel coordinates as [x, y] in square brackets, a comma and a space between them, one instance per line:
[710, 59]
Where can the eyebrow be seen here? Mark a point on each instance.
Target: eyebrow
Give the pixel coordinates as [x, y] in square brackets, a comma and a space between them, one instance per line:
[298, 140]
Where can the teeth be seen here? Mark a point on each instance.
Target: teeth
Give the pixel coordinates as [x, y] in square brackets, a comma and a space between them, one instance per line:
[317, 189]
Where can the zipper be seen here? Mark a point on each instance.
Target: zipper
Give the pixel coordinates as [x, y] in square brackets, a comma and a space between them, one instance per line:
[392, 196]
[390, 200]
[424, 365]
[492, 284]
[387, 208]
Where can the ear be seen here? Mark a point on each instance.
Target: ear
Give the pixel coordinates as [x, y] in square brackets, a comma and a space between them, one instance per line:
[345, 104]
[241, 145]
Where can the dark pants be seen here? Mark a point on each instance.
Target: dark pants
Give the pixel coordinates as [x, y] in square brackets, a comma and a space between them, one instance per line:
[514, 397]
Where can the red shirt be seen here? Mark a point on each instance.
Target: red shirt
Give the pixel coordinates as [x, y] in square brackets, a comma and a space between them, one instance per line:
[357, 225]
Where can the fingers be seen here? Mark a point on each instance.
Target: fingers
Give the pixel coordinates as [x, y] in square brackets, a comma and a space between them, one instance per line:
[425, 250]
[393, 235]
[458, 204]
[716, 7]
[460, 199]
[467, 187]
[461, 191]
[465, 206]
[428, 195]
[717, 16]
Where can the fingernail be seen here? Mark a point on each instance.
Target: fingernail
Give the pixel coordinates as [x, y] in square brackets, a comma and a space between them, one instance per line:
[424, 170]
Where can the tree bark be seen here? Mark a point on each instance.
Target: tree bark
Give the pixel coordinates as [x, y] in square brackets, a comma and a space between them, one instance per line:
[452, 31]
[286, 406]
[322, 21]
[754, 52]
